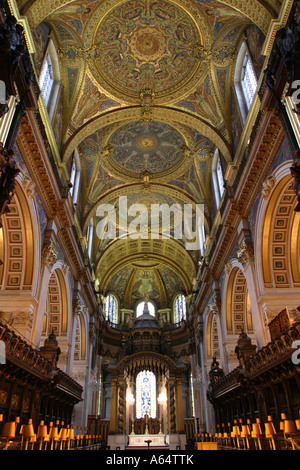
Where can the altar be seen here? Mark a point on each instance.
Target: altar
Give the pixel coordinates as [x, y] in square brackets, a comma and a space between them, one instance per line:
[142, 440]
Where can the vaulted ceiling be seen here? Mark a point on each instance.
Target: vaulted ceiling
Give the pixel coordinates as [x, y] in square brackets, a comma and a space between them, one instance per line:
[147, 97]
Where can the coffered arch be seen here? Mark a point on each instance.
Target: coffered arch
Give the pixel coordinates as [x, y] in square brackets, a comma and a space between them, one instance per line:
[161, 114]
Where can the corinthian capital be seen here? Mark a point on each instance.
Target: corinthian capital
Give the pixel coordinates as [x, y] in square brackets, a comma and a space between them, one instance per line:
[245, 253]
[49, 254]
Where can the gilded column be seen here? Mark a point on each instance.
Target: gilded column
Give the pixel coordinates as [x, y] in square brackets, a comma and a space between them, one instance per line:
[121, 407]
[171, 409]
[179, 406]
[113, 406]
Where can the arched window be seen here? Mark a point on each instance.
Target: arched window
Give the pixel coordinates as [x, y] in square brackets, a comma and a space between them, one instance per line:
[145, 394]
[248, 80]
[111, 309]
[179, 308]
[140, 308]
[245, 80]
[218, 178]
[49, 79]
[46, 79]
[89, 237]
[75, 177]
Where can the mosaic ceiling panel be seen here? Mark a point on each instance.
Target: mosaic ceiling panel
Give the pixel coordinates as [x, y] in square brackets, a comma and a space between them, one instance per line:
[159, 74]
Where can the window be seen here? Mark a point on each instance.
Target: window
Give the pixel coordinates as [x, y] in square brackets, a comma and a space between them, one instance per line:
[46, 79]
[49, 79]
[248, 80]
[201, 230]
[111, 309]
[245, 81]
[75, 177]
[89, 237]
[145, 394]
[141, 307]
[192, 395]
[180, 308]
[218, 178]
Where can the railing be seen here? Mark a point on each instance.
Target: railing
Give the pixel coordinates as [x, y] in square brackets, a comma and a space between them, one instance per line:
[20, 352]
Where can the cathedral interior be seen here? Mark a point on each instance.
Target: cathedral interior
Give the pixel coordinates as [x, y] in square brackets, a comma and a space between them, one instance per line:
[149, 224]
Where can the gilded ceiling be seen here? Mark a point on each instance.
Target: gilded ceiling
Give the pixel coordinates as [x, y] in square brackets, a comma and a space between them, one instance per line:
[147, 98]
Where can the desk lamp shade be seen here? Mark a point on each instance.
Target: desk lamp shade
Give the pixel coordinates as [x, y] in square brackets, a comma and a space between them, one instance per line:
[9, 430]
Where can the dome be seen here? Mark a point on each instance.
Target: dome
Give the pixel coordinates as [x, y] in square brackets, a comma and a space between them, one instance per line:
[146, 321]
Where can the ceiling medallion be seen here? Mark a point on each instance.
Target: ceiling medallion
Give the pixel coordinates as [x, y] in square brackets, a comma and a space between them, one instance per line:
[141, 45]
[148, 44]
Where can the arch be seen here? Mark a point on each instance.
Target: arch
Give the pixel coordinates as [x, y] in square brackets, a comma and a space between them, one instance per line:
[132, 113]
[80, 346]
[238, 316]
[56, 318]
[20, 242]
[212, 337]
[277, 239]
[256, 12]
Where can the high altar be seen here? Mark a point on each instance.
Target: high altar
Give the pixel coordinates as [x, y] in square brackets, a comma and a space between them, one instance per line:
[145, 414]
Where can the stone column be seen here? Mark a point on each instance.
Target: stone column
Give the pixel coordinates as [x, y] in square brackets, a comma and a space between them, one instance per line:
[246, 257]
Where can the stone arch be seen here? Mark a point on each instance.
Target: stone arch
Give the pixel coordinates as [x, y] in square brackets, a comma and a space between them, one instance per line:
[212, 337]
[238, 316]
[80, 346]
[56, 318]
[277, 239]
[20, 242]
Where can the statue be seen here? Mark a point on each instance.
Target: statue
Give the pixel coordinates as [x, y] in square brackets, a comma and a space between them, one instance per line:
[8, 173]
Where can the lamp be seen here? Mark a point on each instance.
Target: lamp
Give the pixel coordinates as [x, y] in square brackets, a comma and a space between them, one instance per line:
[33, 440]
[297, 422]
[9, 432]
[70, 436]
[42, 434]
[290, 429]
[245, 434]
[53, 435]
[256, 432]
[63, 437]
[28, 432]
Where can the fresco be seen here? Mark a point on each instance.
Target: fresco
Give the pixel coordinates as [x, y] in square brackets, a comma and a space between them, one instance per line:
[145, 284]
[151, 146]
[119, 281]
[103, 183]
[76, 13]
[203, 103]
[255, 40]
[188, 182]
[90, 103]
[172, 282]
[146, 45]
[40, 37]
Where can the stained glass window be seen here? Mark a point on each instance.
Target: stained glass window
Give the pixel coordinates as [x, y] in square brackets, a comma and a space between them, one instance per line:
[180, 308]
[145, 394]
[111, 309]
